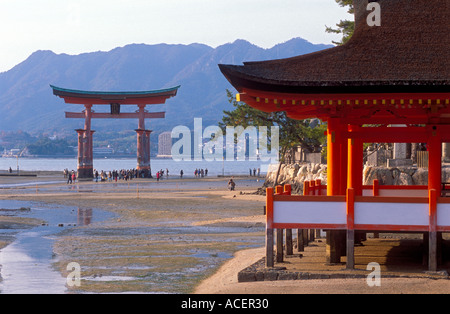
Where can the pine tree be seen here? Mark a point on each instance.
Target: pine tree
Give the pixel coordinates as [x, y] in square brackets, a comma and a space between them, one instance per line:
[344, 27]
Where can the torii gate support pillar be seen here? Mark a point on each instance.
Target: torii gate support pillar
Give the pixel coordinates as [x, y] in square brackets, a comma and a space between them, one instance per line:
[85, 158]
[143, 153]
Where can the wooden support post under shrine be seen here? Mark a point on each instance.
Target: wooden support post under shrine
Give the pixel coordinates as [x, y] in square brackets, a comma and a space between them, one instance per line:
[434, 184]
[269, 228]
[336, 239]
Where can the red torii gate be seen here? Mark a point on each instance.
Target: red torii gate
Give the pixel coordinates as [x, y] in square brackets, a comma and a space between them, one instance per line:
[115, 100]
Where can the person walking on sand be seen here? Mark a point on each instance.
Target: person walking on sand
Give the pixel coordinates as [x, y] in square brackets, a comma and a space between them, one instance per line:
[231, 185]
[74, 176]
[181, 174]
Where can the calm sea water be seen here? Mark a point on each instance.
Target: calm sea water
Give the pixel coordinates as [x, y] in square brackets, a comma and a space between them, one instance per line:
[235, 167]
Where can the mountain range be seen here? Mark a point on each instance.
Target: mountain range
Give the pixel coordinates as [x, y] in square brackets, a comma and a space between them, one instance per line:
[28, 104]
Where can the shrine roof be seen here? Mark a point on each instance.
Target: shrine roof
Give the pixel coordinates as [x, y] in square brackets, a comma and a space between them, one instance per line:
[114, 95]
[408, 53]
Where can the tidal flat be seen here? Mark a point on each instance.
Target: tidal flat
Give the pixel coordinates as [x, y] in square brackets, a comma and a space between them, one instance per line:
[158, 237]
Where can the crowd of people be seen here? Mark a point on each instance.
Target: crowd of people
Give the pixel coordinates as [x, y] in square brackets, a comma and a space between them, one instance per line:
[200, 173]
[115, 175]
[70, 176]
[124, 174]
[106, 176]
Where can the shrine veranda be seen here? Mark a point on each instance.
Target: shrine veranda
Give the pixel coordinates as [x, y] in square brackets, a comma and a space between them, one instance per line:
[389, 83]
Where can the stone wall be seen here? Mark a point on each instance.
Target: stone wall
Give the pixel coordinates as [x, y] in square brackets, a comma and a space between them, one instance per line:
[296, 174]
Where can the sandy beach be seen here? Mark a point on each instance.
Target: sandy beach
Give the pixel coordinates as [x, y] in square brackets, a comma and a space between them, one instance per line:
[191, 234]
[224, 281]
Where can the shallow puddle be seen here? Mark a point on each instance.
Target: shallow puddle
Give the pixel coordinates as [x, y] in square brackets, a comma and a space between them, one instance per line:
[26, 263]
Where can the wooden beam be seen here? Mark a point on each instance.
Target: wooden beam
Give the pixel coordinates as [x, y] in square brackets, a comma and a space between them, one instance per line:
[123, 115]
[121, 100]
[390, 134]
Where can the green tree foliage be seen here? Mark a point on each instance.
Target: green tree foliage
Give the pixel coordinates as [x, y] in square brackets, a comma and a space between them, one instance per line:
[46, 146]
[344, 27]
[309, 134]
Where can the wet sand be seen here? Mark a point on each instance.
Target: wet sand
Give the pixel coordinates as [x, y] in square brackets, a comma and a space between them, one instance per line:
[165, 236]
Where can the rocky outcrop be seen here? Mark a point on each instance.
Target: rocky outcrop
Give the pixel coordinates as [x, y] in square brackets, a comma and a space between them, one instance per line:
[296, 174]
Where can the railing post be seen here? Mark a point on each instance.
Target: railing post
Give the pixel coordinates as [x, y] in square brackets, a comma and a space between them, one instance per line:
[269, 227]
[300, 233]
[376, 188]
[312, 188]
[288, 235]
[313, 191]
[432, 247]
[306, 188]
[350, 228]
[279, 239]
[319, 187]
[319, 192]
[278, 189]
[287, 189]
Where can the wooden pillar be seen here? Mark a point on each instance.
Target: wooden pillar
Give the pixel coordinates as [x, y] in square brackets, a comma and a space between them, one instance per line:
[333, 157]
[279, 232]
[85, 158]
[343, 168]
[80, 156]
[355, 163]
[148, 171]
[350, 228]
[141, 113]
[85, 166]
[279, 245]
[88, 150]
[319, 192]
[289, 244]
[143, 151]
[434, 145]
[300, 241]
[355, 173]
[140, 148]
[300, 233]
[269, 227]
[336, 239]
[143, 144]
[432, 235]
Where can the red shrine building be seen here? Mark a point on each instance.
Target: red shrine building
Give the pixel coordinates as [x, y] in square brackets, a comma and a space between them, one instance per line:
[115, 100]
[387, 84]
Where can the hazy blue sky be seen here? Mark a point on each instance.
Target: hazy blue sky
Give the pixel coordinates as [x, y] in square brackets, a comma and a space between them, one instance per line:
[76, 26]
